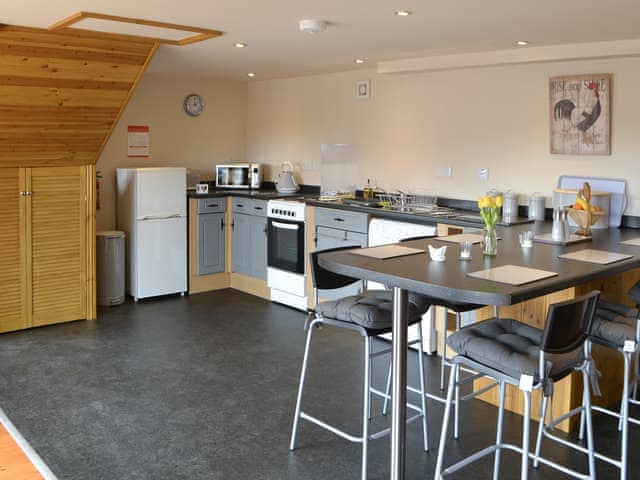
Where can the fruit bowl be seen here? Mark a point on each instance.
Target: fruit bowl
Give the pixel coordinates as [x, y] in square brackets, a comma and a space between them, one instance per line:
[584, 219]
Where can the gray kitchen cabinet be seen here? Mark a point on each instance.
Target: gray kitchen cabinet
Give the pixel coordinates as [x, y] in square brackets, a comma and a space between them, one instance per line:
[339, 228]
[249, 246]
[258, 250]
[241, 243]
[211, 243]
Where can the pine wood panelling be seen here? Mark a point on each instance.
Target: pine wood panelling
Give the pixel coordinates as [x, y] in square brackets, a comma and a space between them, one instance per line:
[66, 69]
[59, 97]
[13, 314]
[14, 464]
[73, 39]
[59, 221]
[62, 92]
[90, 243]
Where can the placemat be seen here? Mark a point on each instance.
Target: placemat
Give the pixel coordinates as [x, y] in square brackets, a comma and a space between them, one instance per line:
[632, 241]
[462, 237]
[548, 238]
[601, 257]
[386, 251]
[512, 274]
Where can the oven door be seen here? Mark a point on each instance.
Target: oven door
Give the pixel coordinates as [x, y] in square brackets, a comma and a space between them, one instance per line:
[286, 245]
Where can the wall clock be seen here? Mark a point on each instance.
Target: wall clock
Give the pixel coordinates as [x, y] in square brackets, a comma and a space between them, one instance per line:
[193, 104]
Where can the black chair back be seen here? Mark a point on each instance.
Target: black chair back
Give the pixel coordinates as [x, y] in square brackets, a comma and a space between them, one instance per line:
[421, 237]
[569, 323]
[325, 279]
[634, 293]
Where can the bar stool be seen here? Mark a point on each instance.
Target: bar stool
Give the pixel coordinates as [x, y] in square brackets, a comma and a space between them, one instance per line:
[369, 314]
[618, 327]
[517, 354]
[458, 308]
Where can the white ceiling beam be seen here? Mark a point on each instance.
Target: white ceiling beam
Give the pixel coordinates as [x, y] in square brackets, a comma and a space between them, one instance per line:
[552, 53]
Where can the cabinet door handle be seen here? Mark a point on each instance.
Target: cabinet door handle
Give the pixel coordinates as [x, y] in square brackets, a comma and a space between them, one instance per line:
[257, 208]
[210, 205]
[26, 194]
[233, 224]
[240, 205]
[221, 224]
[337, 219]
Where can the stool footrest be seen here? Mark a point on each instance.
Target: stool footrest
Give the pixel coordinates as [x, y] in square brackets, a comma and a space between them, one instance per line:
[375, 391]
[347, 436]
[611, 413]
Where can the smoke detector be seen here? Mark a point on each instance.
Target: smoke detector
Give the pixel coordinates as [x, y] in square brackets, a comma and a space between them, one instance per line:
[312, 26]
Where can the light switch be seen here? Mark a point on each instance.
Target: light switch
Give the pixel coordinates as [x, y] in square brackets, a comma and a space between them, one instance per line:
[483, 174]
[443, 171]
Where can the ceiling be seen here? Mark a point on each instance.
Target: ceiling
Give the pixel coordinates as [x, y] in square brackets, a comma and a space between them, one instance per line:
[358, 29]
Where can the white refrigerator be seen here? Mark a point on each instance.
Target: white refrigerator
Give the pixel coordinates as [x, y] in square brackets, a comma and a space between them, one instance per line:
[152, 211]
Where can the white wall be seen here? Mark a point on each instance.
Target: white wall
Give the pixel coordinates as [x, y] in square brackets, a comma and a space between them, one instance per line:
[176, 139]
[495, 117]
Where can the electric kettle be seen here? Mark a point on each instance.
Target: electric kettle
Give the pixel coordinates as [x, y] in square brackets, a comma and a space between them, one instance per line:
[285, 182]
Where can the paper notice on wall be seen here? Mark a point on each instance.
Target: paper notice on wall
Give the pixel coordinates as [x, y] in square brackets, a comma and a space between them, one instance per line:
[138, 141]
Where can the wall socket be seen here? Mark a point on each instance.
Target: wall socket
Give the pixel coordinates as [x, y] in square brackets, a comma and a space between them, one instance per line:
[483, 174]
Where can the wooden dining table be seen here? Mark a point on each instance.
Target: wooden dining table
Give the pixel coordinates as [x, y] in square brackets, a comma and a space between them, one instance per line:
[449, 279]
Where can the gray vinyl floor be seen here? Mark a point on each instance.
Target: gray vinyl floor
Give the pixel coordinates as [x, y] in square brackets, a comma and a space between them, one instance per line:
[203, 387]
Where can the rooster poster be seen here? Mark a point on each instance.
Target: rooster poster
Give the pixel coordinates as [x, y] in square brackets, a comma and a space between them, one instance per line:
[580, 114]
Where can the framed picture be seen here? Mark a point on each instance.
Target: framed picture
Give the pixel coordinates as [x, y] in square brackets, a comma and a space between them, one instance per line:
[580, 116]
[362, 89]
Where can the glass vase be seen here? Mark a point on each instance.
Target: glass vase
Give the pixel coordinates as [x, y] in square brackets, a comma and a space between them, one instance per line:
[489, 241]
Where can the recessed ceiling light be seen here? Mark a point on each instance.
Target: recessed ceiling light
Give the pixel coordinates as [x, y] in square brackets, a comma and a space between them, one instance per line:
[239, 45]
[522, 43]
[251, 74]
[358, 60]
[403, 13]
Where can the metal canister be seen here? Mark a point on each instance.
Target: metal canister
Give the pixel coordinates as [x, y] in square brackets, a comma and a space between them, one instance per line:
[536, 206]
[509, 206]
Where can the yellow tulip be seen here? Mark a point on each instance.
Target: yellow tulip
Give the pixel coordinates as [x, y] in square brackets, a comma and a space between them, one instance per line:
[499, 201]
[480, 202]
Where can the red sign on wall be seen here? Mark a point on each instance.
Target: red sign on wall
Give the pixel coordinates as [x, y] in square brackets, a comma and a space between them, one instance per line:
[138, 140]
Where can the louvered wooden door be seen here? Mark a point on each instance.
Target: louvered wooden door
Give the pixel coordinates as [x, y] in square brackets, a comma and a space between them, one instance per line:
[58, 243]
[13, 272]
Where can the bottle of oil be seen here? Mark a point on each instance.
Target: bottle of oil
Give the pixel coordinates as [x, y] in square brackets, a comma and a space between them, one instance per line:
[367, 191]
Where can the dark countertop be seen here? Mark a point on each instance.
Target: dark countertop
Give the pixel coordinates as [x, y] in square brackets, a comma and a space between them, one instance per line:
[464, 218]
[244, 193]
[449, 279]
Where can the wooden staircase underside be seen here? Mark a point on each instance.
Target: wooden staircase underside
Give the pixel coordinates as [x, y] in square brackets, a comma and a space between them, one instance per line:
[62, 92]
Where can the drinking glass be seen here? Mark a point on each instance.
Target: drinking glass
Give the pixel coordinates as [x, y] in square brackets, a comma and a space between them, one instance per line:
[465, 250]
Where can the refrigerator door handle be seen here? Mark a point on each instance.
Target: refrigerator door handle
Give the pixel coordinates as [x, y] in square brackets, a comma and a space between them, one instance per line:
[162, 217]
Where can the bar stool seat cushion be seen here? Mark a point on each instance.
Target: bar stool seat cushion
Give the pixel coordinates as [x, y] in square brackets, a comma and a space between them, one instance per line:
[510, 347]
[372, 310]
[614, 323]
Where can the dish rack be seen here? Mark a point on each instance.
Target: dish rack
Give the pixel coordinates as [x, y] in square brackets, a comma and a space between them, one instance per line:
[407, 200]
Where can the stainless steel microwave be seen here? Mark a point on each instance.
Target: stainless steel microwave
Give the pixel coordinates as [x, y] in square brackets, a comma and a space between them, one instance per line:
[239, 175]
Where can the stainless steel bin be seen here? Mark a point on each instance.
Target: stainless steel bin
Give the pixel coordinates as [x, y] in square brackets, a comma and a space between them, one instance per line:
[110, 267]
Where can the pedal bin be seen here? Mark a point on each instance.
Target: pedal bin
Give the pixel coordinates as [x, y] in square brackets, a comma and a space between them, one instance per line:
[110, 267]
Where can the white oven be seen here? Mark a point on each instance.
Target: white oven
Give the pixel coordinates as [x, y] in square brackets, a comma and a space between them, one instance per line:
[286, 252]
